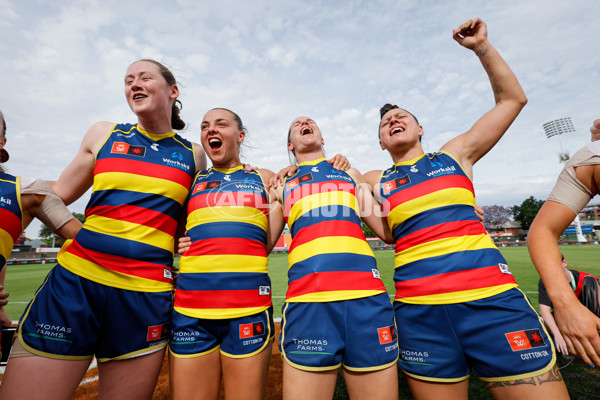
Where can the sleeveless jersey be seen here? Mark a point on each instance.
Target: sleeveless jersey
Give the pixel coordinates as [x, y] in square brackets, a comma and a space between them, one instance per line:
[224, 272]
[329, 258]
[443, 253]
[141, 182]
[11, 216]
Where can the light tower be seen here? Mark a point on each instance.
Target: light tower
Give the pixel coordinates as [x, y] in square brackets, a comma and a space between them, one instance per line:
[556, 128]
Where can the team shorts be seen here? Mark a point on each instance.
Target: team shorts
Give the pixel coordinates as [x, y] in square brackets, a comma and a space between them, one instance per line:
[235, 337]
[501, 338]
[73, 318]
[359, 334]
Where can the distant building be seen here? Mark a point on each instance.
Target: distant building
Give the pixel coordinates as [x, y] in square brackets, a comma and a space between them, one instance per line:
[508, 232]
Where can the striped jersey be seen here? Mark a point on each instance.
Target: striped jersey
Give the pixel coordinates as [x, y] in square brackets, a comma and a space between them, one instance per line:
[329, 258]
[443, 253]
[141, 182]
[224, 272]
[11, 216]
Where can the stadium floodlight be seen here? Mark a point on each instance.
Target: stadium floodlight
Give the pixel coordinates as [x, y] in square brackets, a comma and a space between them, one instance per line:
[558, 127]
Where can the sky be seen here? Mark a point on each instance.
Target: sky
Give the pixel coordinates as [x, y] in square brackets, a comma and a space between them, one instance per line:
[63, 65]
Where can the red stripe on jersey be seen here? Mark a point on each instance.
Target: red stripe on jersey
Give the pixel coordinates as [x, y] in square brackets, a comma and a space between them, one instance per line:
[121, 264]
[227, 245]
[327, 229]
[431, 186]
[229, 199]
[440, 231]
[205, 299]
[453, 282]
[137, 215]
[143, 168]
[11, 223]
[314, 188]
[333, 281]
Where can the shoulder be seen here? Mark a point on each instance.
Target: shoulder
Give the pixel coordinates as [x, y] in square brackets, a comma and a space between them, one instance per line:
[373, 177]
[265, 174]
[96, 135]
[199, 156]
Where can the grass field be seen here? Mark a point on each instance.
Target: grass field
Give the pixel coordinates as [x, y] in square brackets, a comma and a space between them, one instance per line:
[23, 280]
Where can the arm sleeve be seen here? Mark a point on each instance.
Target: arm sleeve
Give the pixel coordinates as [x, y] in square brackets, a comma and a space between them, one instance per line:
[52, 212]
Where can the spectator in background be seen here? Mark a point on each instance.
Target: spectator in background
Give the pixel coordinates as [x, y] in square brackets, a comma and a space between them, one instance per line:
[576, 279]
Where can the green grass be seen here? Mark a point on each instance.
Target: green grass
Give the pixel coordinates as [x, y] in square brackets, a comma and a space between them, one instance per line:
[23, 280]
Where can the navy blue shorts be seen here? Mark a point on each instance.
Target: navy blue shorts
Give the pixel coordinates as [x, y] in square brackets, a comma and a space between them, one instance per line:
[500, 337]
[73, 318]
[235, 337]
[359, 334]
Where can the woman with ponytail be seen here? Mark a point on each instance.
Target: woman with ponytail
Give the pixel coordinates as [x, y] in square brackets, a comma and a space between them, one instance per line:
[110, 295]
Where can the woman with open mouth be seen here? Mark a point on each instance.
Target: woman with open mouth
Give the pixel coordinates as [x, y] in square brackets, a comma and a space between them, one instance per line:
[110, 295]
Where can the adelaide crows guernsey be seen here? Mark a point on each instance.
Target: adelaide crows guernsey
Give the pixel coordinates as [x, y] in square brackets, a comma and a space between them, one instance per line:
[443, 253]
[224, 272]
[329, 258]
[141, 182]
[11, 217]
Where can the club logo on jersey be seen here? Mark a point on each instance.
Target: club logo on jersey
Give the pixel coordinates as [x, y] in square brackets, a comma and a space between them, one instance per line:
[156, 332]
[252, 329]
[264, 290]
[395, 184]
[523, 340]
[206, 186]
[504, 268]
[387, 334]
[126, 148]
[301, 179]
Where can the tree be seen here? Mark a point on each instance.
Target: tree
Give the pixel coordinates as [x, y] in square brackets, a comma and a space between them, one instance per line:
[495, 216]
[52, 239]
[526, 212]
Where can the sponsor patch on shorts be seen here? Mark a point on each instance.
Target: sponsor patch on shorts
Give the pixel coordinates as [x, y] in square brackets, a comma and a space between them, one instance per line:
[523, 340]
[387, 334]
[156, 332]
[251, 330]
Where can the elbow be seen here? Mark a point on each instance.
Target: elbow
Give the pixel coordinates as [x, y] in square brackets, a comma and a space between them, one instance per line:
[522, 101]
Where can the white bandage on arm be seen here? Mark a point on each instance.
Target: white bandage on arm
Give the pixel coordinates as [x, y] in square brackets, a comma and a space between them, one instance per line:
[569, 190]
[52, 212]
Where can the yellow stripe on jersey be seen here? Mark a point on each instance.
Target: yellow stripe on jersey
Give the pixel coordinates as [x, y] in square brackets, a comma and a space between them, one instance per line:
[219, 313]
[458, 297]
[130, 231]
[6, 243]
[334, 295]
[444, 246]
[244, 214]
[440, 198]
[317, 200]
[94, 272]
[223, 263]
[141, 184]
[329, 245]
